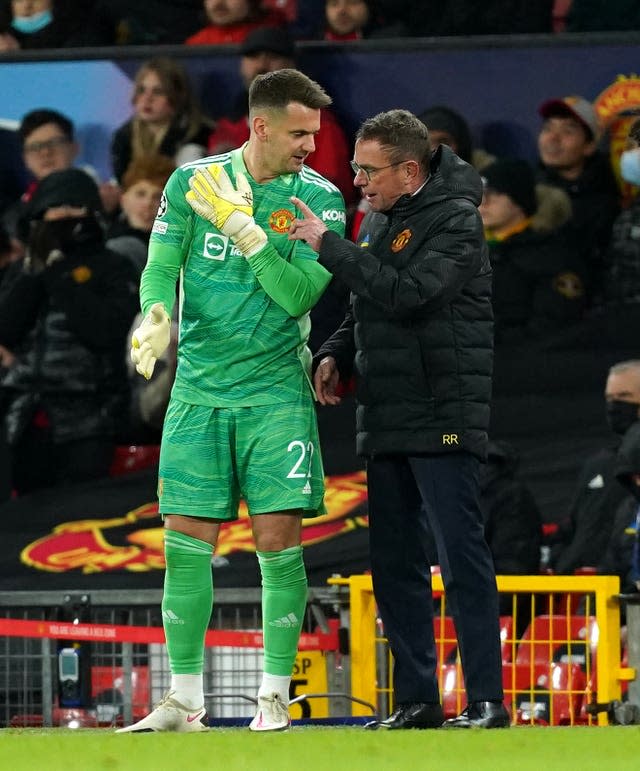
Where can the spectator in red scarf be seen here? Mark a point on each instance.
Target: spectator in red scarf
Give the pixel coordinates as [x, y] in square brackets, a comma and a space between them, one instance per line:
[230, 21]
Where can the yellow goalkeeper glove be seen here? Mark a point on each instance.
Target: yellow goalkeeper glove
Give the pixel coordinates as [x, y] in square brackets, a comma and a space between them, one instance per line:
[150, 340]
[230, 209]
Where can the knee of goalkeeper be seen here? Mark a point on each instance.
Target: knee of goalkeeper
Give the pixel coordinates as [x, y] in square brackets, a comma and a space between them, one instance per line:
[150, 340]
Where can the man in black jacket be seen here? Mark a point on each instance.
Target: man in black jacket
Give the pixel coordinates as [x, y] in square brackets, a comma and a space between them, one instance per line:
[65, 310]
[537, 282]
[584, 533]
[568, 146]
[419, 338]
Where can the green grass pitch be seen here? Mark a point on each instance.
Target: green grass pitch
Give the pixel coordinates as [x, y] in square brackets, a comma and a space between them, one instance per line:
[323, 749]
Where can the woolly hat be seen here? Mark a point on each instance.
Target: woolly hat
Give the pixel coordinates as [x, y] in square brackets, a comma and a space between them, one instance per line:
[71, 187]
[440, 118]
[514, 178]
[275, 40]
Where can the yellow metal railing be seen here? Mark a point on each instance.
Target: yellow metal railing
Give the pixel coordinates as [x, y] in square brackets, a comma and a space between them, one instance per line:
[575, 618]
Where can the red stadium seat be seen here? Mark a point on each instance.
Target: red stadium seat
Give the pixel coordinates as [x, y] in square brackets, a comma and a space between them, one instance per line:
[569, 639]
[555, 695]
[447, 642]
[516, 679]
[134, 457]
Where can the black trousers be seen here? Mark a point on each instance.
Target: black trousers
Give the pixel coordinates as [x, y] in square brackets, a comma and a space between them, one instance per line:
[407, 495]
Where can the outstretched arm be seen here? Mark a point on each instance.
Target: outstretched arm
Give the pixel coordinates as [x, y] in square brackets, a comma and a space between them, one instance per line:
[310, 230]
[297, 285]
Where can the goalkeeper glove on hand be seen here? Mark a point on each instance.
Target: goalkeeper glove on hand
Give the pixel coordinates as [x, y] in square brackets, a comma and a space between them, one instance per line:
[150, 340]
[230, 209]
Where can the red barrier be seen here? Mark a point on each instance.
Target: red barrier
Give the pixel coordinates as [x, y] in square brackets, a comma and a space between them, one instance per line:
[10, 627]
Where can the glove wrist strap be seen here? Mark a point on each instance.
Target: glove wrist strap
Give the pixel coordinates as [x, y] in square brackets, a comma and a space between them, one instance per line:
[250, 239]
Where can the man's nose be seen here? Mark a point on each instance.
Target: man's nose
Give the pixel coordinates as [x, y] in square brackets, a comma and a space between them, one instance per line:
[360, 178]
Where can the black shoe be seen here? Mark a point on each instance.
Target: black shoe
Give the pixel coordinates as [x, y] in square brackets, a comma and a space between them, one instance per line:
[416, 715]
[481, 714]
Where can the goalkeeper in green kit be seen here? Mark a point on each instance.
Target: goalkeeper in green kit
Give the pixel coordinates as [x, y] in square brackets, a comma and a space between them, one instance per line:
[241, 421]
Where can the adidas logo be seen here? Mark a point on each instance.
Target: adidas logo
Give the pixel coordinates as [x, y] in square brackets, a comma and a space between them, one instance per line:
[306, 490]
[170, 617]
[285, 622]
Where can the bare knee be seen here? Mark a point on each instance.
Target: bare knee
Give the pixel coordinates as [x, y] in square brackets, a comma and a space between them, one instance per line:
[277, 531]
[202, 529]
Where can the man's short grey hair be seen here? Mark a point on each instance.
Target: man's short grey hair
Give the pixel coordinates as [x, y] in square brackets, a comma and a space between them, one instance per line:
[403, 135]
[625, 366]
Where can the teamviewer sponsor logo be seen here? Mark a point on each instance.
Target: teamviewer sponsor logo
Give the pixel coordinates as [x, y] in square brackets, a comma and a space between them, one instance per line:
[160, 227]
[333, 215]
[215, 246]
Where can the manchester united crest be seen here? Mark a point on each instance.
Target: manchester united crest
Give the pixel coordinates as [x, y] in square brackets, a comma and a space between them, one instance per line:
[401, 240]
[281, 220]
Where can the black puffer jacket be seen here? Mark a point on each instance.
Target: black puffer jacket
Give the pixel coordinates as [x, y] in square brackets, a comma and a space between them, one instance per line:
[421, 324]
[67, 327]
[595, 203]
[538, 286]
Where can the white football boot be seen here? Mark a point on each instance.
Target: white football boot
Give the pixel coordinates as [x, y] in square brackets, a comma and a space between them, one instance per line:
[170, 715]
[272, 714]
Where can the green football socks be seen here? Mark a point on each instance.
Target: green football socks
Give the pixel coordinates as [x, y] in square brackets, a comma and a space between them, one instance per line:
[284, 601]
[187, 601]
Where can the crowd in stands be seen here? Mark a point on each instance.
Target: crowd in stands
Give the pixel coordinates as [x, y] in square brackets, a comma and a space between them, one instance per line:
[563, 248]
[39, 24]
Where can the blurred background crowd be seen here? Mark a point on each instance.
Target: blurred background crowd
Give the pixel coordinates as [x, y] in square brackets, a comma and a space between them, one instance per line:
[563, 234]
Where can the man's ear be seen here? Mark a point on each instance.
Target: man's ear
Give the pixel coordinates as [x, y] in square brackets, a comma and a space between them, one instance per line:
[412, 169]
[260, 127]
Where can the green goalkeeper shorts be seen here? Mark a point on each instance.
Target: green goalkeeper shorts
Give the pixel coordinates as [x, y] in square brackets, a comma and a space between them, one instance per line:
[211, 457]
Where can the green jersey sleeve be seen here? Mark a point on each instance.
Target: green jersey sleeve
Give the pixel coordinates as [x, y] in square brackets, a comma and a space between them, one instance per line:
[171, 232]
[297, 283]
[296, 286]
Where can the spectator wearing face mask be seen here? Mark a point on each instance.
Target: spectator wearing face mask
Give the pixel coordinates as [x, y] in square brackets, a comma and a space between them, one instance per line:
[622, 278]
[622, 557]
[584, 534]
[65, 310]
[32, 24]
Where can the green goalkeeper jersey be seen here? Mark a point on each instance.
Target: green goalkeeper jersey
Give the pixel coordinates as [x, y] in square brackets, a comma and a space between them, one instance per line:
[244, 323]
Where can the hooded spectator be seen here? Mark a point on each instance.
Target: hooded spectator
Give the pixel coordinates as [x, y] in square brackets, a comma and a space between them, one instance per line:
[65, 310]
[537, 284]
